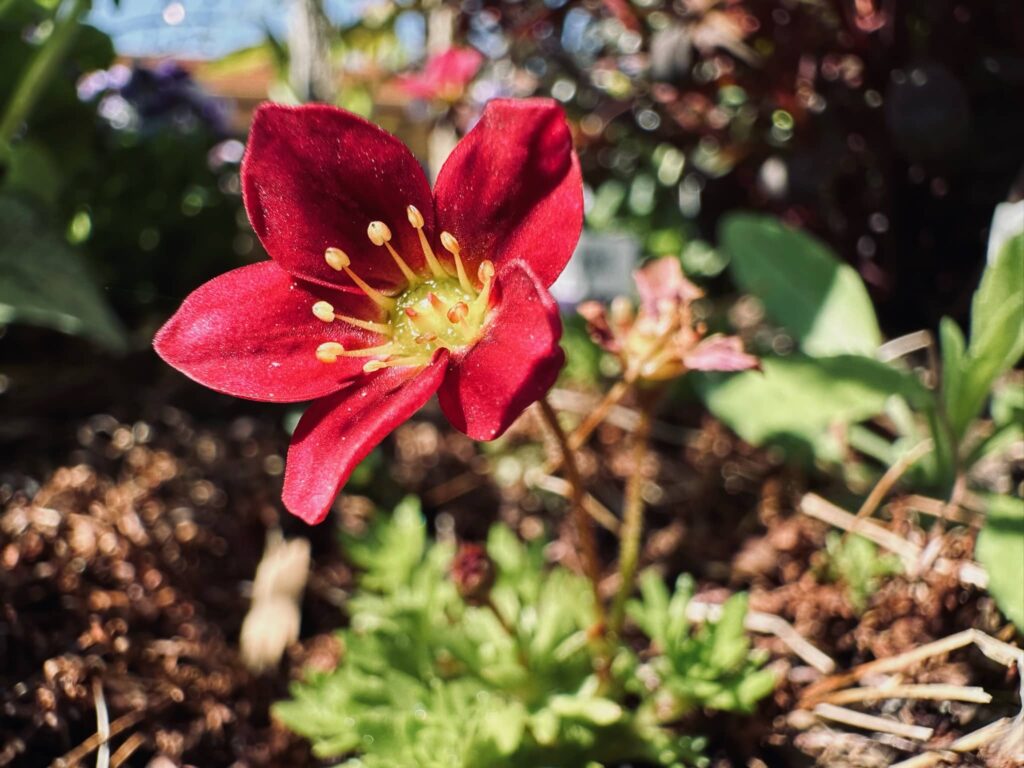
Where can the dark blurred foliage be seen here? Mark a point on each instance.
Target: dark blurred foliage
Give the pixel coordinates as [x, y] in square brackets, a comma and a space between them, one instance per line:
[890, 128]
[162, 197]
[130, 165]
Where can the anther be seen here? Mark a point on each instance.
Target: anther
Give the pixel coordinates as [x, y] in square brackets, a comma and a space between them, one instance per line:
[378, 232]
[416, 220]
[458, 313]
[435, 302]
[415, 217]
[324, 311]
[328, 352]
[425, 338]
[486, 271]
[452, 246]
[339, 260]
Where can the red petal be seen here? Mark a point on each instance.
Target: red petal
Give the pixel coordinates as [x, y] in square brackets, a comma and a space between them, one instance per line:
[315, 176]
[336, 433]
[251, 333]
[720, 353]
[512, 188]
[512, 365]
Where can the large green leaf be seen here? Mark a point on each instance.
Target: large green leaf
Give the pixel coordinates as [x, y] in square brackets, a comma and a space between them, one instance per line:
[795, 400]
[44, 282]
[1000, 549]
[803, 286]
[997, 336]
[1002, 283]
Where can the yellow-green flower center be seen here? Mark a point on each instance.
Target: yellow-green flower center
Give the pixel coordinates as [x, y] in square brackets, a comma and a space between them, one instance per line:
[444, 309]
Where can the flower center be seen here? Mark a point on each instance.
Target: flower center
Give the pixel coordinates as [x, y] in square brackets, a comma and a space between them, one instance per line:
[442, 309]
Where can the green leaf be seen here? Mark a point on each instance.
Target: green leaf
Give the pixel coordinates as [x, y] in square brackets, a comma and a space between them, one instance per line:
[1000, 549]
[997, 338]
[598, 711]
[795, 400]
[32, 170]
[729, 645]
[392, 549]
[45, 283]
[857, 563]
[1002, 283]
[803, 286]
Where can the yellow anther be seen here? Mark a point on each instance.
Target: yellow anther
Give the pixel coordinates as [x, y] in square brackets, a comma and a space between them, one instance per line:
[452, 246]
[329, 351]
[450, 243]
[415, 217]
[378, 232]
[324, 311]
[339, 260]
[486, 271]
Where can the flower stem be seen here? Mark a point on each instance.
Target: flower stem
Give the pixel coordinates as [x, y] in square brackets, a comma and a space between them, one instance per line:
[632, 518]
[38, 73]
[596, 416]
[581, 520]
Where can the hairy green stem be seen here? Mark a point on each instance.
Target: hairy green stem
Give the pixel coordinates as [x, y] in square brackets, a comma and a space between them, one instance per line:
[38, 73]
[581, 520]
[632, 522]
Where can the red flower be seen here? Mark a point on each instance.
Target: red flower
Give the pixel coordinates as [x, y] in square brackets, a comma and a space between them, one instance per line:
[380, 293]
[444, 76]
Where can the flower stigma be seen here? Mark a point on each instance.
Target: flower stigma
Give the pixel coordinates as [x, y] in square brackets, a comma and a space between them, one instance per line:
[443, 309]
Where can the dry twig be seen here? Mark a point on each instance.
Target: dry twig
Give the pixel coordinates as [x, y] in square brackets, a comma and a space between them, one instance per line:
[769, 624]
[815, 506]
[872, 722]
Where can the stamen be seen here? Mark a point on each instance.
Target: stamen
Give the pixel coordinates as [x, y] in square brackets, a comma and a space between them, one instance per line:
[377, 365]
[382, 328]
[425, 338]
[416, 219]
[324, 311]
[380, 234]
[435, 302]
[330, 351]
[339, 260]
[486, 275]
[452, 246]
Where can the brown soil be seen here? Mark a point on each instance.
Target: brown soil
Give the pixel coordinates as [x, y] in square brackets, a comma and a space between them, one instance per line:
[124, 577]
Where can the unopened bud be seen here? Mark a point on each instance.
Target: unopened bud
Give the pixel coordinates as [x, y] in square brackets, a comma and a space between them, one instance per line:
[473, 573]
